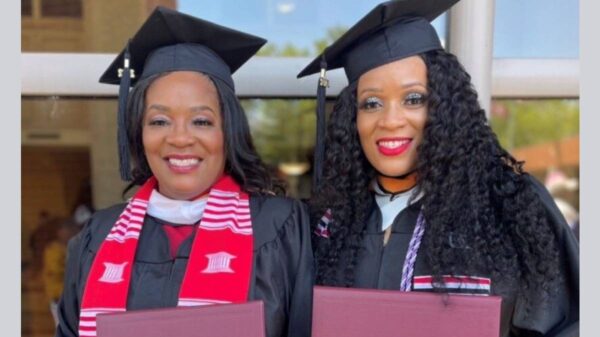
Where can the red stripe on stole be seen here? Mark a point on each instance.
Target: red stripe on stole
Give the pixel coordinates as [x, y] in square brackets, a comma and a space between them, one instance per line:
[229, 203]
[138, 208]
[123, 232]
[210, 211]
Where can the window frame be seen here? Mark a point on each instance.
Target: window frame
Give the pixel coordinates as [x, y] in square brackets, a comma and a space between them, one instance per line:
[76, 75]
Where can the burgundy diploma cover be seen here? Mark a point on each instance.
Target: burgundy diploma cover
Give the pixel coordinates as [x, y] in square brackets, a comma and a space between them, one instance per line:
[225, 320]
[385, 313]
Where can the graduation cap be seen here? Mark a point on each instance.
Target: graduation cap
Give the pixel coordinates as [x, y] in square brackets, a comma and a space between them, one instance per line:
[393, 30]
[172, 41]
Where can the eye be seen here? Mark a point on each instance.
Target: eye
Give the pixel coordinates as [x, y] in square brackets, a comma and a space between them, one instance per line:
[158, 122]
[370, 103]
[202, 122]
[415, 99]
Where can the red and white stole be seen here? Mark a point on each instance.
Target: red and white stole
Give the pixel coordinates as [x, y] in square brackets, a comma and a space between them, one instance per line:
[218, 269]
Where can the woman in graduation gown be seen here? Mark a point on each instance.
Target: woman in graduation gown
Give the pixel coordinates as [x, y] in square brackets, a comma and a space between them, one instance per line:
[205, 226]
[416, 193]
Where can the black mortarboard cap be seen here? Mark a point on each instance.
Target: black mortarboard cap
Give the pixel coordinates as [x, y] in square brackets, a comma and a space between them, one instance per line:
[393, 30]
[172, 41]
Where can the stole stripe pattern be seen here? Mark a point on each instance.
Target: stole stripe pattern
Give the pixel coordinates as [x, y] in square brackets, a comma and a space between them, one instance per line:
[455, 284]
[218, 269]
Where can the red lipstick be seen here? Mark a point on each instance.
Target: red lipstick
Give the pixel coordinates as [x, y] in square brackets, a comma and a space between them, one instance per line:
[393, 146]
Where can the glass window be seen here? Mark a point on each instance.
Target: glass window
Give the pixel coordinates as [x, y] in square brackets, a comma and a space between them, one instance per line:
[536, 29]
[292, 27]
[544, 134]
[55, 179]
[54, 113]
[529, 122]
[283, 132]
[61, 8]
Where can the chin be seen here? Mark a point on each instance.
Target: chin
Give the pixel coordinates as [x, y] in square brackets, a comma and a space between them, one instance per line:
[183, 192]
[394, 171]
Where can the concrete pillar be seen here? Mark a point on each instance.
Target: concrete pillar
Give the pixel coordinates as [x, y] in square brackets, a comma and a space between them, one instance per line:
[471, 37]
[106, 181]
[108, 25]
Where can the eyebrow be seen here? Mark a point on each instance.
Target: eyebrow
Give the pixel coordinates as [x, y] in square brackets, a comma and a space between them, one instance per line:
[369, 90]
[158, 107]
[163, 108]
[405, 85]
[412, 84]
[201, 108]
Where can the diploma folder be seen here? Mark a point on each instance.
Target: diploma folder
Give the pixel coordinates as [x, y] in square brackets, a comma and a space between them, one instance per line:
[345, 312]
[221, 320]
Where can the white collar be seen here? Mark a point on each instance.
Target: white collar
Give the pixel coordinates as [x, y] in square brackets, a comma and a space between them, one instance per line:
[391, 205]
[182, 212]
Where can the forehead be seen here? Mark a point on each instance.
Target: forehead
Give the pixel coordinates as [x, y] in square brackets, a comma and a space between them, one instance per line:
[404, 71]
[183, 91]
[184, 83]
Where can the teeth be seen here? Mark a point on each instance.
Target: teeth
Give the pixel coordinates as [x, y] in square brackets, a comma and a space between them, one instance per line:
[183, 162]
[392, 144]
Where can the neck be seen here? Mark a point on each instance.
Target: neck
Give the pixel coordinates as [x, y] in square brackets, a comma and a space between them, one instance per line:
[397, 184]
[196, 197]
[205, 193]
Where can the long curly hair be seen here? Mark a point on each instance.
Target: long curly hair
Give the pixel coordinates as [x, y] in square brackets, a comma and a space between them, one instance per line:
[475, 194]
[242, 162]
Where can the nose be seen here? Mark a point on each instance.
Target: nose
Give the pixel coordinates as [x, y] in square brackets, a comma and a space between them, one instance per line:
[393, 116]
[180, 136]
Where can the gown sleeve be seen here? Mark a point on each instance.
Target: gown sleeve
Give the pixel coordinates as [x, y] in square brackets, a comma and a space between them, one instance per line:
[300, 314]
[68, 305]
[80, 254]
[559, 317]
[283, 266]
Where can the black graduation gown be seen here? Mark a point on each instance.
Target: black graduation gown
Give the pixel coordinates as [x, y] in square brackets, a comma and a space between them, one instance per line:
[380, 267]
[282, 273]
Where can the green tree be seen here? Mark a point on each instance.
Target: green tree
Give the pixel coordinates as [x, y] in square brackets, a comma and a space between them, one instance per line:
[332, 34]
[520, 123]
[284, 129]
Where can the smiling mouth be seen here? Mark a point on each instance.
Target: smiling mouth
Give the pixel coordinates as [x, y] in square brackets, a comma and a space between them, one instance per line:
[183, 162]
[393, 147]
[183, 165]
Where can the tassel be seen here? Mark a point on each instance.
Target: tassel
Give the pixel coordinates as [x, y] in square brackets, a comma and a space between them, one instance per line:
[125, 74]
[321, 127]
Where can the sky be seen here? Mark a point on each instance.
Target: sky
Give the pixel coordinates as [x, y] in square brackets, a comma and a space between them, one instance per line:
[522, 28]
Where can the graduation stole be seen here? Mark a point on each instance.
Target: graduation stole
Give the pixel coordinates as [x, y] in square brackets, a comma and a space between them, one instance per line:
[218, 270]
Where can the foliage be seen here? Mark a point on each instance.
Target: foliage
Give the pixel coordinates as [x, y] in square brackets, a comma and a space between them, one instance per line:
[520, 123]
[284, 130]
